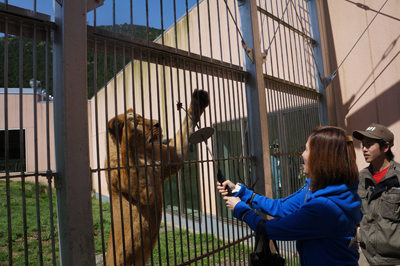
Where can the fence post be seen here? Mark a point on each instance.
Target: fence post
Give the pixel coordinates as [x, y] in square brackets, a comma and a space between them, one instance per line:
[256, 97]
[75, 221]
[317, 50]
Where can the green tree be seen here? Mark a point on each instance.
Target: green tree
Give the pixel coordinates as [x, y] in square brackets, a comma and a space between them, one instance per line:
[28, 62]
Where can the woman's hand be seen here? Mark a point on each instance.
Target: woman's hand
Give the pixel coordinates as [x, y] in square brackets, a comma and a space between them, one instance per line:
[231, 202]
[222, 187]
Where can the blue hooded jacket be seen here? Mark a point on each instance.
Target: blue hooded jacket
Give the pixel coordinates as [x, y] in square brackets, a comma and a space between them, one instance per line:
[323, 222]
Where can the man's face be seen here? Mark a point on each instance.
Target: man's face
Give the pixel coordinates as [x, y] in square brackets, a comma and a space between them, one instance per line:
[371, 150]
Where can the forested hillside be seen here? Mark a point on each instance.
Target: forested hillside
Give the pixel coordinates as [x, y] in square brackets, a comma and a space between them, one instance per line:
[13, 59]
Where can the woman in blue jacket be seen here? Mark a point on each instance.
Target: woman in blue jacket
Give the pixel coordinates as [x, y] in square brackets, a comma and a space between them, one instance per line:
[323, 214]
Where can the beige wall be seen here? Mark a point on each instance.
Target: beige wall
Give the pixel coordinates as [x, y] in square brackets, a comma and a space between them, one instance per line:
[29, 126]
[367, 87]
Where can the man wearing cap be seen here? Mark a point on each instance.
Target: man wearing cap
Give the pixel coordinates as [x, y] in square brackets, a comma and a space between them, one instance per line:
[379, 189]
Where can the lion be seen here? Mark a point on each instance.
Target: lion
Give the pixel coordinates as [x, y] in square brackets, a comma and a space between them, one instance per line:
[135, 190]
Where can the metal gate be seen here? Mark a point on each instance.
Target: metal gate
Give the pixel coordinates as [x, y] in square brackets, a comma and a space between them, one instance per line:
[257, 65]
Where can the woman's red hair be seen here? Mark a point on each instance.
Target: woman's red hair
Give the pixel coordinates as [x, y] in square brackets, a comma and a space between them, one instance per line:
[332, 158]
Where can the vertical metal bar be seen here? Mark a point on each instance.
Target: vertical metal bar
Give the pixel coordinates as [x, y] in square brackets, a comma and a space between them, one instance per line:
[22, 139]
[168, 160]
[197, 174]
[188, 153]
[219, 157]
[306, 44]
[257, 111]
[118, 149]
[270, 52]
[6, 142]
[128, 169]
[219, 34]
[175, 29]
[35, 137]
[96, 113]
[145, 155]
[162, 23]
[136, 163]
[322, 103]
[187, 26]
[295, 47]
[175, 160]
[245, 144]
[95, 18]
[183, 175]
[242, 145]
[172, 160]
[113, 26]
[147, 22]
[237, 34]
[226, 169]
[216, 194]
[285, 176]
[262, 35]
[280, 39]
[228, 33]
[275, 43]
[208, 173]
[284, 34]
[74, 204]
[161, 163]
[49, 171]
[105, 81]
[131, 17]
[230, 148]
[199, 28]
[152, 150]
[209, 30]
[301, 43]
[292, 63]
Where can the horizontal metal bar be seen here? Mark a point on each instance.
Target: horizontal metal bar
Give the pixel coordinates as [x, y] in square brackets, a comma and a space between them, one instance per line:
[23, 12]
[265, 12]
[15, 18]
[93, 170]
[287, 83]
[29, 175]
[188, 262]
[182, 59]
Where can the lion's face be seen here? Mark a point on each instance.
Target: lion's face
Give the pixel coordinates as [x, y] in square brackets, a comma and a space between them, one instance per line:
[140, 131]
[146, 130]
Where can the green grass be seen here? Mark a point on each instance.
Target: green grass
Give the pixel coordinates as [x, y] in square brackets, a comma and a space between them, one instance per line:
[17, 224]
[192, 245]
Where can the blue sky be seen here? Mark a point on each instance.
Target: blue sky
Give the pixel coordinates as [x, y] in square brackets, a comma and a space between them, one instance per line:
[104, 14]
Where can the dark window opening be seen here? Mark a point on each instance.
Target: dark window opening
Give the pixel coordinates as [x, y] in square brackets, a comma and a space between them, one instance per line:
[16, 151]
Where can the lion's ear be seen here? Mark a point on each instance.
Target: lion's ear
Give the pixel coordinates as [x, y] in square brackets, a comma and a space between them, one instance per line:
[115, 126]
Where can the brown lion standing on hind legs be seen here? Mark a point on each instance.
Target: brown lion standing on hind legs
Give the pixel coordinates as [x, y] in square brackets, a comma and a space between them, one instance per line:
[146, 199]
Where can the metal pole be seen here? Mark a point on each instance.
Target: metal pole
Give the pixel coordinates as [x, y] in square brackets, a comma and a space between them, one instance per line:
[74, 208]
[322, 101]
[256, 98]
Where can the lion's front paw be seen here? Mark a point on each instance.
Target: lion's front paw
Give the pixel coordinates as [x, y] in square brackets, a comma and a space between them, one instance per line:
[200, 99]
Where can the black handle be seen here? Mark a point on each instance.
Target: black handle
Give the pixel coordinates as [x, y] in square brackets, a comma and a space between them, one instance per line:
[221, 179]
